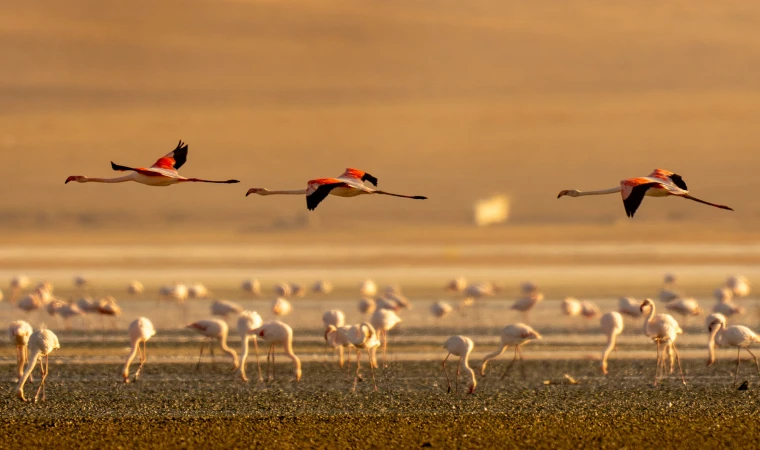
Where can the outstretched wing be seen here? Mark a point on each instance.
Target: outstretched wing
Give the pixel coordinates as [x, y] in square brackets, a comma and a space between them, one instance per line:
[315, 198]
[633, 195]
[359, 175]
[173, 160]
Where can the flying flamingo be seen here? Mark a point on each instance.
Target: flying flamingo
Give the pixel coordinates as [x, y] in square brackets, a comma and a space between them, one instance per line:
[20, 332]
[659, 183]
[663, 330]
[140, 330]
[350, 184]
[42, 343]
[460, 346]
[248, 321]
[214, 329]
[737, 336]
[162, 173]
[276, 332]
[337, 319]
[383, 320]
[612, 326]
[516, 334]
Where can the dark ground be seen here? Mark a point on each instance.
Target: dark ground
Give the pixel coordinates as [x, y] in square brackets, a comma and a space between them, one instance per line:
[173, 407]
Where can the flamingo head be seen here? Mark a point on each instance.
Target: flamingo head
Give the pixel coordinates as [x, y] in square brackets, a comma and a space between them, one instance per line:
[647, 303]
[330, 329]
[259, 191]
[570, 192]
[77, 178]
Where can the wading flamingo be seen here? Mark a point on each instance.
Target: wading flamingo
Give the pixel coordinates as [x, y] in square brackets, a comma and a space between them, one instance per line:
[322, 287]
[224, 308]
[383, 320]
[337, 319]
[252, 287]
[367, 288]
[725, 305]
[162, 173]
[140, 330]
[42, 343]
[460, 346]
[367, 306]
[663, 330]
[276, 332]
[440, 309]
[363, 337]
[612, 326]
[684, 307]
[660, 183]
[456, 285]
[737, 336]
[135, 288]
[248, 321]
[107, 307]
[20, 332]
[350, 184]
[281, 307]
[516, 334]
[18, 283]
[214, 329]
[337, 337]
[571, 307]
[629, 307]
[198, 290]
[738, 285]
[525, 304]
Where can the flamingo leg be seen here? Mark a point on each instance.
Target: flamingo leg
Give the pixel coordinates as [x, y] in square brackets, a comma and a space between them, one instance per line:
[356, 378]
[522, 364]
[43, 369]
[143, 358]
[213, 357]
[384, 334]
[736, 374]
[340, 356]
[256, 349]
[198, 366]
[274, 372]
[510, 364]
[26, 361]
[755, 358]
[678, 359]
[456, 385]
[448, 380]
[371, 370]
[20, 361]
[657, 369]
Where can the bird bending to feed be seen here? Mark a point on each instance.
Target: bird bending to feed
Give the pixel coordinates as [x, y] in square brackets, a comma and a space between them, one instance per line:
[42, 343]
[516, 334]
[276, 332]
[685, 307]
[248, 321]
[350, 184]
[337, 319]
[214, 329]
[659, 183]
[140, 330]
[460, 346]
[362, 336]
[612, 326]
[224, 308]
[663, 330]
[162, 173]
[383, 320]
[737, 336]
[629, 307]
[20, 332]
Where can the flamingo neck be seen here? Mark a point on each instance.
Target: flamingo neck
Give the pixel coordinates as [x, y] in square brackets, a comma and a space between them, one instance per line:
[123, 179]
[465, 364]
[599, 192]
[293, 192]
[288, 349]
[229, 351]
[716, 335]
[130, 358]
[244, 348]
[648, 319]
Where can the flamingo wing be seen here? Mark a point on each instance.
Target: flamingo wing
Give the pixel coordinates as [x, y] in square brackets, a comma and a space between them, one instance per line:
[359, 175]
[314, 198]
[174, 159]
[633, 194]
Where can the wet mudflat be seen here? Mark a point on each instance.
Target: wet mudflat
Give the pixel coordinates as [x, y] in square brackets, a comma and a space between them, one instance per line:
[173, 407]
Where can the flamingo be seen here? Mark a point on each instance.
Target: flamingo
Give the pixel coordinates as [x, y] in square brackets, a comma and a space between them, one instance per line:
[162, 173]
[589, 309]
[282, 290]
[363, 337]
[662, 329]
[350, 184]
[739, 286]
[367, 288]
[630, 307]
[197, 290]
[724, 305]
[276, 332]
[281, 307]
[337, 319]
[135, 288]
[42, 343]
[685, 307]
[367, 306]
[515, 334]
[252, 287]
[68, 311]
[337, 337]
[322, 287]
[224, 308]
[140, 331]
[18, 283]
[528, 287]
[31, 302]
[669, 279]
[248, 321]
[456, 285]
[383, 320]
[107, 307]
[214, 329]
[475, 292]
[460, 346]
[660, 183]
[525, 304]
[571, 307]
[612, 326]
[81, 282]
[440, 309]
[398, 300]
[296, 290]
[737, 336]
[20, 332]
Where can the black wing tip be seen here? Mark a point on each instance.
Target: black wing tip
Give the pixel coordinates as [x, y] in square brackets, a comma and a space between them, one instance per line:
[181, 146]
[232, 181]
[419, 197]
[370, 178]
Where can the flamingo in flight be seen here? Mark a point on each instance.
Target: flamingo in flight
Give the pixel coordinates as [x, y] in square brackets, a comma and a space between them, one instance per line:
[350, 184]
[659, 183]
[162, 173]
